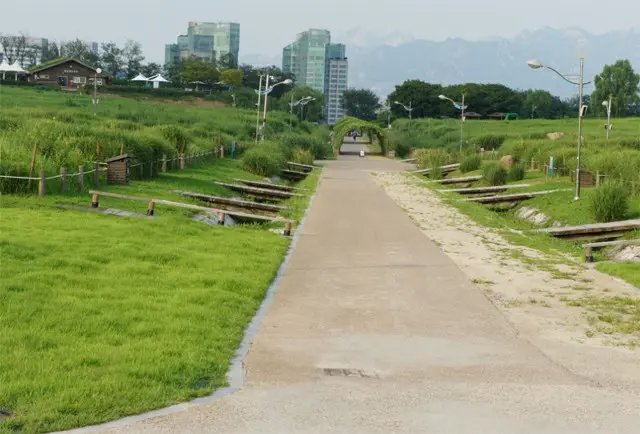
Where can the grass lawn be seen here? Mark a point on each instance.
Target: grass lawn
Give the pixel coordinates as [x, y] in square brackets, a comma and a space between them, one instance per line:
[103, 317]
[629, 271]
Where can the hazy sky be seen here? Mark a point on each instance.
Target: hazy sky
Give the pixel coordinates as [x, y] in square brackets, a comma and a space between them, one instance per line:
[266, 26]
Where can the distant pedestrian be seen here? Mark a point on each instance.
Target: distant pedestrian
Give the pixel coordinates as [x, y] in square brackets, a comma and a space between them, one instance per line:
[354, 135]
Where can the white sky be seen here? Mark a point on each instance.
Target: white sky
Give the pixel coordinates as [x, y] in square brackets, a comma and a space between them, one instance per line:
[266, 26]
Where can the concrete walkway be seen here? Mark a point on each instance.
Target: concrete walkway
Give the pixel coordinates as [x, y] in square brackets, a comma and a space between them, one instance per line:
[375, 330]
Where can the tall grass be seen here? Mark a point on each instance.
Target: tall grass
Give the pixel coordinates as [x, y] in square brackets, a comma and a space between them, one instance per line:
[68, 134]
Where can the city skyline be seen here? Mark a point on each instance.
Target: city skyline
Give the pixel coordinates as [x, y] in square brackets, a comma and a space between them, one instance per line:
[428, 20]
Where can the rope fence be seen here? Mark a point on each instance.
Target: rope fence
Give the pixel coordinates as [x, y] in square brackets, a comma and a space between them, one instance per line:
[156, 166]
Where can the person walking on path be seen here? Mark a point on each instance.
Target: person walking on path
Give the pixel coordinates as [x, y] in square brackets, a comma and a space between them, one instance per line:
[354, 134]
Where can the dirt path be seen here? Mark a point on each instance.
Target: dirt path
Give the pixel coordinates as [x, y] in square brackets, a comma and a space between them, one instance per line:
[542, 296]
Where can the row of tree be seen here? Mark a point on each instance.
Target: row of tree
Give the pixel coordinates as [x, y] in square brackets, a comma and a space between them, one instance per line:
[618, 80]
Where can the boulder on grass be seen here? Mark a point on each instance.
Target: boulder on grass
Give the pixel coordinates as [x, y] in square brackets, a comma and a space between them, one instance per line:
[555, 136]
[507, 161]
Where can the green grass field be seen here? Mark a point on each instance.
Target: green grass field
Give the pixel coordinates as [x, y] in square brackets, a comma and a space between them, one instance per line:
[68, 133]
[103, 316]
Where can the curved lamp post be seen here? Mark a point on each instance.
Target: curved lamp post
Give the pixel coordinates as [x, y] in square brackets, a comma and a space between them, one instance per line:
[607, 105]
[462, 108]
[293, 104]
[409, 108]
[267, 91]
[536, 64]
[304, 103]
[95, 90]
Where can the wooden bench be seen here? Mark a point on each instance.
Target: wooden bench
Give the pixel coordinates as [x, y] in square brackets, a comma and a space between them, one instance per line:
[593, 231]
[509, 198]
[589, 247]
[268, 185]
[236, 203]
[293, 175]
[304, 167]
[95, 202]
[262, 193]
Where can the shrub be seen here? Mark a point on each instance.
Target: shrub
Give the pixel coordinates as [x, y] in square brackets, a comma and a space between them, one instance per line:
[490, 141]
[517, 172]
[471, 163]
[494, 173]
[610, 202]
[430, 158]
[302, 156]
[264, 160]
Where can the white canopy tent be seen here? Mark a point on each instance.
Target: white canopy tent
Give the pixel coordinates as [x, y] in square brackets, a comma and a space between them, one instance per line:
[156, 80]
[14, 67]
[197, 83]
[140, 77]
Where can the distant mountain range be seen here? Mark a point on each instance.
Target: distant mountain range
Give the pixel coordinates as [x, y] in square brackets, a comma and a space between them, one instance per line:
[391, 59]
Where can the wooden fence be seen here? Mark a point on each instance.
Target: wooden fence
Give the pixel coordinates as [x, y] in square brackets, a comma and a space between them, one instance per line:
[139, 169]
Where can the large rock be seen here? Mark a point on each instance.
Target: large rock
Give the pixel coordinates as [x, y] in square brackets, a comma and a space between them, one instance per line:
[507, 161]
[555, 136]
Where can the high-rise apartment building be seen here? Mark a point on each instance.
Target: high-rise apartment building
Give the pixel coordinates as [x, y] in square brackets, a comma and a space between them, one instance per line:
[336, 71]
[321, 65]
[210, 41]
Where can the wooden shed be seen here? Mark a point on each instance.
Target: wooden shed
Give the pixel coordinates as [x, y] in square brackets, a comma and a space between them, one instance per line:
[119, 169]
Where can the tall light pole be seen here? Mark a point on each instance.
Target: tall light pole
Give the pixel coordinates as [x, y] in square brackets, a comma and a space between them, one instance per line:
[267, 91]
[409, 108]
[258, 105]
[293, 104]
[462, 108]
[95, 91]
[302, 104]
[607, 104]
[536, 64]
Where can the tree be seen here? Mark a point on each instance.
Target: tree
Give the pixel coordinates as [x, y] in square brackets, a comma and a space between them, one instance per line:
[77, 49]
[538, 101]
[621, 82]
[133, 58]
[361, 104]
[422, 96]
[13, 47]
[196, 69]
[232, 77]
[111, 57]
[52, 52]
[150, 69]
[226, 61]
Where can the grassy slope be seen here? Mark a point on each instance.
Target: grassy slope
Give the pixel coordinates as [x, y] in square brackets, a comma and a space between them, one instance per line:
[559, 207]
[109, 316]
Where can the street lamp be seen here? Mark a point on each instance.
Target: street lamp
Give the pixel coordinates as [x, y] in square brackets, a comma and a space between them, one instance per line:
[462, 108]
[536, 64]
[293, 104]
[267, 91]
[95, 91]
[607, 104]
[302, 104]
[409, 108]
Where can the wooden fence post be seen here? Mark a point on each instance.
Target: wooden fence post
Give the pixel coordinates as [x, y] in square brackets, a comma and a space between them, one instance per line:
[151, 170]
[597, 178]
[80, 178]
[96, 175]
[164, 163]
[41, 184]
[33, 164]
[141, 170]
[63, 179]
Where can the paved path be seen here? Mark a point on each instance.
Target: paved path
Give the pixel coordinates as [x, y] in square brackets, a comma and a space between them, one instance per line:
[361, 144]
[365, 291]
